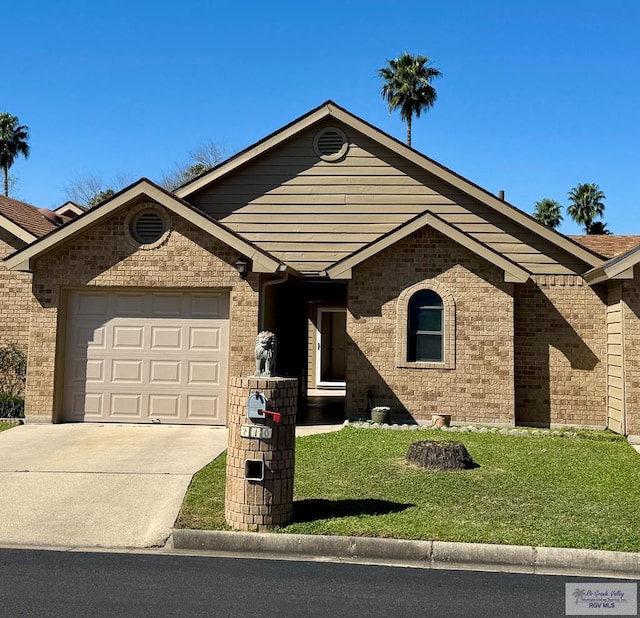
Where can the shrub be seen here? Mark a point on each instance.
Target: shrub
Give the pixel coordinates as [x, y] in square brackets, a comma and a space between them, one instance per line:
[13, 370]
[11, 406]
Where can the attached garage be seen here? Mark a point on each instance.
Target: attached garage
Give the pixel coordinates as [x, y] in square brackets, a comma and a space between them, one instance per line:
[146, 357]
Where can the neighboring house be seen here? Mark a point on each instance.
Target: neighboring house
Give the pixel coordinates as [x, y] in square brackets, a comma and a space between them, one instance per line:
[69, 210]
[20, 225]
[379, 270]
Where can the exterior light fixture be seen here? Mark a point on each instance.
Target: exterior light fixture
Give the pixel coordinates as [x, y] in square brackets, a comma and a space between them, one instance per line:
[242, 266]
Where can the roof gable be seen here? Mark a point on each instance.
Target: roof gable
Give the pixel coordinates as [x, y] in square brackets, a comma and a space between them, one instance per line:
[547, 244]
[512, 272]
[262, 262]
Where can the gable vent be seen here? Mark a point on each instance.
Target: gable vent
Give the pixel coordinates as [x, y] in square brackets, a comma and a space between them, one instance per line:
[331, 144]
[148, 227]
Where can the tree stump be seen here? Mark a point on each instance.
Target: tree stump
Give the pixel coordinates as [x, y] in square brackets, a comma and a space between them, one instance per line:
[434, 455]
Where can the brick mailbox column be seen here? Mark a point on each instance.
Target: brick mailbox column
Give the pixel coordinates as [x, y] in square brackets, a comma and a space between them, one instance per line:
[250, 503]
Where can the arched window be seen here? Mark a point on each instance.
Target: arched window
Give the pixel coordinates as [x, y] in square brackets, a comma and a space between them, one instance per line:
[426, 326]
[425, 337]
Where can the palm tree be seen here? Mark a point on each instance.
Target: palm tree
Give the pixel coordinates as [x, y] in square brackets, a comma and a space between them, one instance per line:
[586, 204]
[407, 86]
[598, 227]
[13, 142]
[548, 212]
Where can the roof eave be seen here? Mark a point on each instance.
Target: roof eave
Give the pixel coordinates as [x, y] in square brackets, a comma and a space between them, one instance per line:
[22, 260]
[16, 230]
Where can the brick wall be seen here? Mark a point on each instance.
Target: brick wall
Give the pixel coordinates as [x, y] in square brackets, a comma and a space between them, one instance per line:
[480, 387]
[631, 329]
[105, 255]
[560, 352]
[15, 296]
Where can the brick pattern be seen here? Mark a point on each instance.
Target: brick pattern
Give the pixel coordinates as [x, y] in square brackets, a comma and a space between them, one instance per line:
[631, 330]
[481, 386]
[15, 296]
[560, 352]
[260, 505]
[104, 256]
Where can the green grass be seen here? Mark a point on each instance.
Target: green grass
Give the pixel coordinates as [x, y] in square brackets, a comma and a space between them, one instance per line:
[544, 491]
[4, 426]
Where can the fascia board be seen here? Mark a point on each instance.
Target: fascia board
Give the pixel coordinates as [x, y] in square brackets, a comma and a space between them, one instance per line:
[253, 152]
[16, 230]
[620, 267]
[599, 275]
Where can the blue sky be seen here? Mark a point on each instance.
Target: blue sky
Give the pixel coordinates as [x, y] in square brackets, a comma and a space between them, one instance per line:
[535, 96]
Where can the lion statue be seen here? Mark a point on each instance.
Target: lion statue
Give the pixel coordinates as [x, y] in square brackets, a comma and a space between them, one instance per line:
[266, 354]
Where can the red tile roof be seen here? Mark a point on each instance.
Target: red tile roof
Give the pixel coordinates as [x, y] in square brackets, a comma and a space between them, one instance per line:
[26, 216]
[608, 245]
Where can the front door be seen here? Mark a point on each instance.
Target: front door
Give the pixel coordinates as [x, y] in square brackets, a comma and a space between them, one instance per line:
[331, 347]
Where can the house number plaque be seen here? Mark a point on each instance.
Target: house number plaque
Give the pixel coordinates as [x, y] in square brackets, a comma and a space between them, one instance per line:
[256, 431]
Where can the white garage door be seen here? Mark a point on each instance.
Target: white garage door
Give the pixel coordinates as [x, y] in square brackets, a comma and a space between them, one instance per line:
[141, 357]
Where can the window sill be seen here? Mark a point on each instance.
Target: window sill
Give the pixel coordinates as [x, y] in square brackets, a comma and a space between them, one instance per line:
[424, 365]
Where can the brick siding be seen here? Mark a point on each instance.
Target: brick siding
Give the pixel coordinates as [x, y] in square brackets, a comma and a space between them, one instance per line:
[15, 296]
[560, 352]
[631, 329]
[481, 386]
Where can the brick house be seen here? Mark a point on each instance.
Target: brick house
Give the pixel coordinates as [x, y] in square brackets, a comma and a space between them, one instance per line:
[380, 271]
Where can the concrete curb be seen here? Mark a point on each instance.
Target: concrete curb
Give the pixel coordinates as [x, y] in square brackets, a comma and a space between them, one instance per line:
[420, 554]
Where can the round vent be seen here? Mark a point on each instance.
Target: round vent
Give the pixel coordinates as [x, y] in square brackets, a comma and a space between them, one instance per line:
[148, 227]
[331, 144]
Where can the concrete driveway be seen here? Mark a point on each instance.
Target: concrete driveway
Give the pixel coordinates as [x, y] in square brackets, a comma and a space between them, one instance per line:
[92, 485]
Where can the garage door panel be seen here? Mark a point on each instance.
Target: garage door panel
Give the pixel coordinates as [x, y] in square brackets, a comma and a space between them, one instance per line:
[88, 337]
[126, 371]
[146, 357]
[128, 337]
[93, 369]
[165, 372]
[166, 338]
[201, 338]
[90, 304]
[83, 404]
[164, 406]
[129, 304]
[203, 408]
[127, 406]
[203, 372]
[167, 305]
[212, 307]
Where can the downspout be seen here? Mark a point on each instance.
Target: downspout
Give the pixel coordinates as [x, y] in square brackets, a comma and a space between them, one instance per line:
[263, 295]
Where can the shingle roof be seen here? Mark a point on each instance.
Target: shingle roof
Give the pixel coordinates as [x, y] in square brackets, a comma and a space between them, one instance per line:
[608, 245]
[26, 216]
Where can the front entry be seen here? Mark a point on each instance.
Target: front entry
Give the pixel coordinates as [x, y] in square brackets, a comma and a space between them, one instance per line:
[331, 347]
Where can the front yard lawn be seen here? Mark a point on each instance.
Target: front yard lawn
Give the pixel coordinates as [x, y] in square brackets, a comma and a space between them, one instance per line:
[544, 491]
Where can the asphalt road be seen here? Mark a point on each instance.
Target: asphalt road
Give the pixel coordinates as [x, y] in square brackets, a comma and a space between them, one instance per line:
[50, 583]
